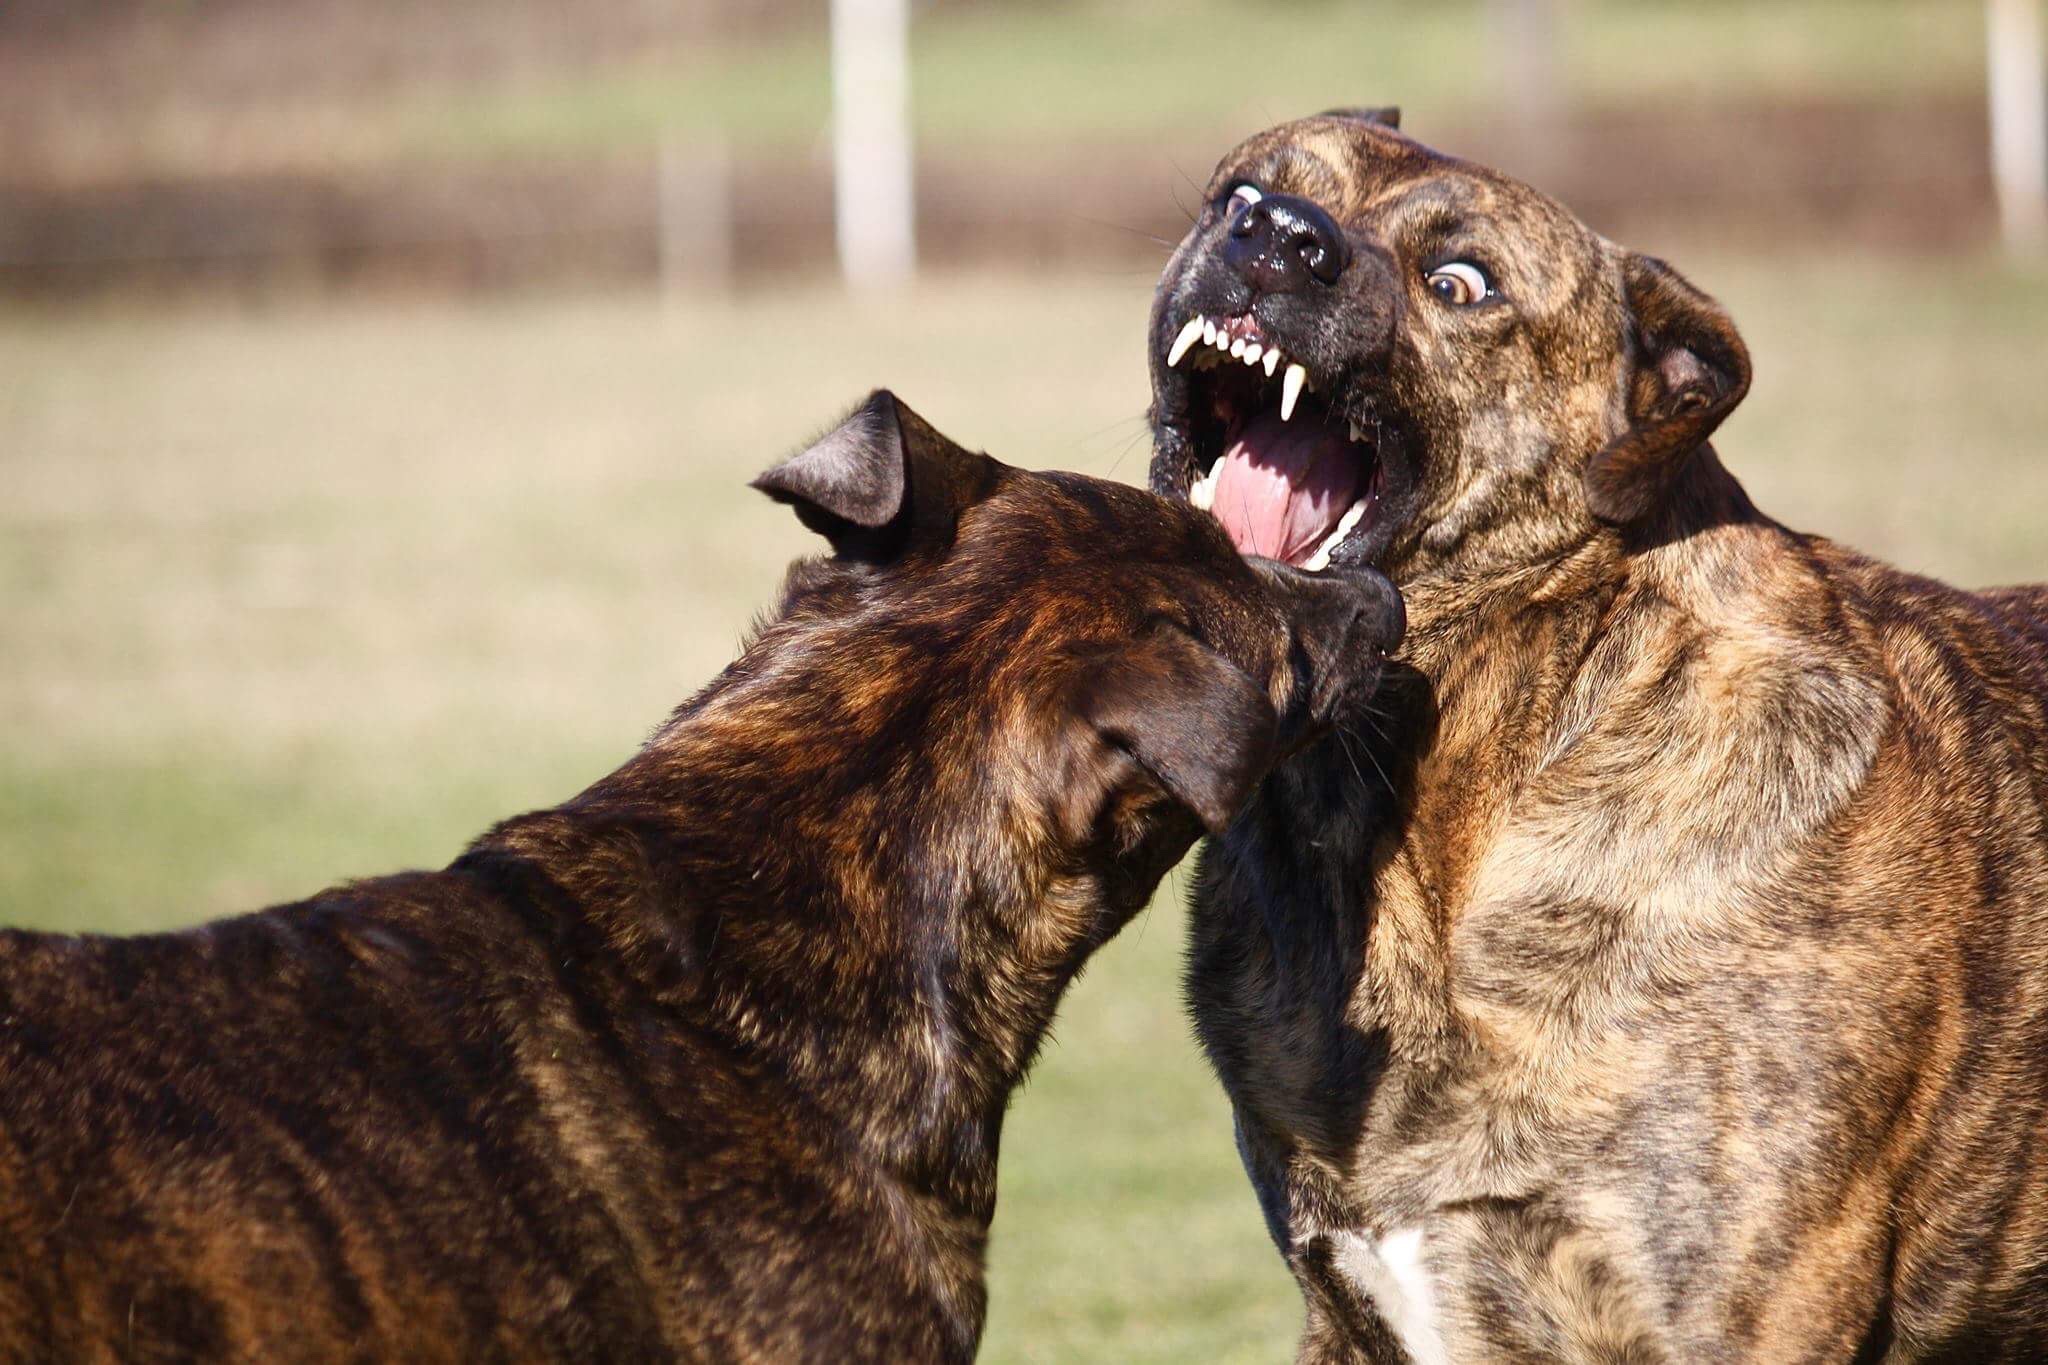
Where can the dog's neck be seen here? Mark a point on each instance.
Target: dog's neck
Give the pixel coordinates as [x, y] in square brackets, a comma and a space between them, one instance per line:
[791, 866]
[1511, 674]
[1456, 610]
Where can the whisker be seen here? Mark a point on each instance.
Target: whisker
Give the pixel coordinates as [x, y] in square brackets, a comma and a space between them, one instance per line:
[1142, 433]
[1352, 759]
[1370, 759]
[1124, 227]
[1366, 715]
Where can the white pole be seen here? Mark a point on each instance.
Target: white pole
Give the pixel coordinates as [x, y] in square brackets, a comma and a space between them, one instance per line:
[871, 161]
[2019, 120]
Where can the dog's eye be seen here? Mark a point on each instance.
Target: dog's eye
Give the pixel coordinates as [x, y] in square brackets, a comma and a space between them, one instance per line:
[1242, 198]
[1459, 283]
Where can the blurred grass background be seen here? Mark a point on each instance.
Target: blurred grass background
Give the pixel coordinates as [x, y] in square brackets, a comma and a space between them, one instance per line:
[312, 568]
[301, 594]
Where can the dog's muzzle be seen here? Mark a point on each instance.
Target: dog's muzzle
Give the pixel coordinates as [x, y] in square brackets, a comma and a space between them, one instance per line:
[1273, 336]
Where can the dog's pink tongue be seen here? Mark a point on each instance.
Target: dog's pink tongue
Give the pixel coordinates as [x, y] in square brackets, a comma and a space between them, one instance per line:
[1284, 486]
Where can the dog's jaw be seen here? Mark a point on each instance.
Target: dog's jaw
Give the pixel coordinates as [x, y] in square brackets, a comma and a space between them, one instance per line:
[1299, 460]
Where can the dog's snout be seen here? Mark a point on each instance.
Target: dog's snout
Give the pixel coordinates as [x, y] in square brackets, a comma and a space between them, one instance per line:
[1346, 621]
[1282, 242]
[1358, 614]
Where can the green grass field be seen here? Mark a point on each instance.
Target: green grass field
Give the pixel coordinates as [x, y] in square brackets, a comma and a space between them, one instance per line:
[296, 595]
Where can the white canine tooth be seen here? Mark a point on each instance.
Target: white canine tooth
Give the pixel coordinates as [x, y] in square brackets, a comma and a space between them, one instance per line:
[1182, 342]
[1345, 524]
[1208, 331]
[1251, 353]
[1201, 494]
[1216, 470]
[1237, 347]
[1320, 560]
[1290, 390]
[1357, 432]
[1272, 360]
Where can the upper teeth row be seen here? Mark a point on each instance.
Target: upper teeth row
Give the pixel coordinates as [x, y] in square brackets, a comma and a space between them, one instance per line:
[1206, 331]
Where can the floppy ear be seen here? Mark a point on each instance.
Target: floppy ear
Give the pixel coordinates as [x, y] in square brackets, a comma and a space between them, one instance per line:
[880, 481]
[1386, 115]
[1691, 369]
[1194, 722]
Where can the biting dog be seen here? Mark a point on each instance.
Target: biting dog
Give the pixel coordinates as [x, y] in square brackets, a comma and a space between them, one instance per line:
[709, 1062]
[1681, 991]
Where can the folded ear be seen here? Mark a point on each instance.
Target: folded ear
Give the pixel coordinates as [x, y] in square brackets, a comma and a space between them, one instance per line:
[1691, 369]
[1195, 724]
[880, 482]
[1386, 115]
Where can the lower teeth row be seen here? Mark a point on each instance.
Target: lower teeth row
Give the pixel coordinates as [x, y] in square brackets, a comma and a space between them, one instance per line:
[1320, 560]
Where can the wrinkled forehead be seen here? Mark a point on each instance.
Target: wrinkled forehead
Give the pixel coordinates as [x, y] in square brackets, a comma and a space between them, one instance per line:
[1367, 176]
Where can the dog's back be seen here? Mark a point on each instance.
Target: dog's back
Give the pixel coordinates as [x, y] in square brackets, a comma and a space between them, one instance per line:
[161, 1110]
[2024, 610]
[1931, 895]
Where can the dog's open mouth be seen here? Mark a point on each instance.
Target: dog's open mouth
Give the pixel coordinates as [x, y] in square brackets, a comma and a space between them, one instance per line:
[1288, 475]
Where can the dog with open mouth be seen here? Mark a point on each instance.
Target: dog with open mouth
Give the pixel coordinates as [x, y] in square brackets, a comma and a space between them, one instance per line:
[1661, 972]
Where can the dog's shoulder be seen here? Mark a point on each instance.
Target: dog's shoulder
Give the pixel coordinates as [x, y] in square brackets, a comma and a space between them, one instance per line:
[1978, 655]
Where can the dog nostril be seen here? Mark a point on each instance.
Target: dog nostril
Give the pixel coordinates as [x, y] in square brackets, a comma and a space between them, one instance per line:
[1315, 255]
[1285, 243]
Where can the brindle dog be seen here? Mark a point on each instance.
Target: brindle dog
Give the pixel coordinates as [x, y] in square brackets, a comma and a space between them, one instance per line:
[1683, 994]
[709, 1062]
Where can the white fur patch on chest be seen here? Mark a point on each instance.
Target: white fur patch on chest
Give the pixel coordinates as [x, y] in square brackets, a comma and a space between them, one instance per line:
[1389, 1270]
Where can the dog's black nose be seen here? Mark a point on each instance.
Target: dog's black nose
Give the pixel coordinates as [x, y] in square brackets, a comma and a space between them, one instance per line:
[1283, 241]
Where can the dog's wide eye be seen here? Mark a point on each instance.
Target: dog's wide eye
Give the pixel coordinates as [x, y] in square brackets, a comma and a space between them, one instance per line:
[1242, 198]
[1459, 283]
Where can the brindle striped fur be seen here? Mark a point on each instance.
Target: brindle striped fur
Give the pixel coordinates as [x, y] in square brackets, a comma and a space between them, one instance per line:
[709, 1062]
[1687, 988]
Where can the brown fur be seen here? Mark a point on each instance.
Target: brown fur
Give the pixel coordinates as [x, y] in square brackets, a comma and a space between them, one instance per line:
[1687, 986]
[709, 1062]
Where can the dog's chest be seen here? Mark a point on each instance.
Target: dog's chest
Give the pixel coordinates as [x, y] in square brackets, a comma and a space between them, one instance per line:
[1392, 1272]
